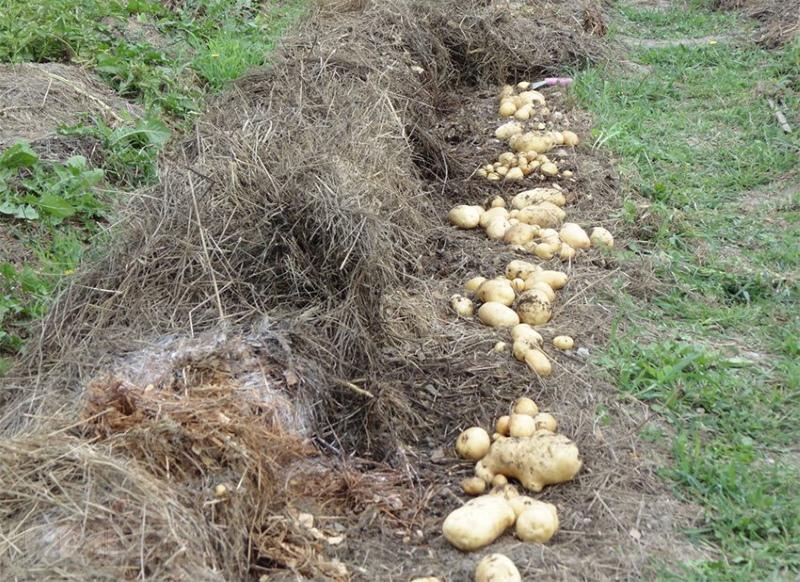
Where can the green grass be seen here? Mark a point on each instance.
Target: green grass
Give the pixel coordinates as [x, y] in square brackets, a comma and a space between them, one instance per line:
[165, 60]
[716, 354]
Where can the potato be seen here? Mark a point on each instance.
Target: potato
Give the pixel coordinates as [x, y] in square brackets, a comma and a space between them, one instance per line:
[544, 287]
[570, 138]
[502, 170]
[523, 331]
[501, 425]
[514, 175]
[563, 342]
[535, 461]
[520, 348]
[519, 503]
[538, 362]
[543, 214]
[549, 235]
[532, 97]
[545, 421]
[574, 236]
[556, 279]
[473, 485]
[466, 217]
[520, 234]
[505, 131]
[473, 443]
[478, 522]
[500, 347]
[499, 481]
[473, 284]
[506, 91]
[497, 229]
[518, 269]
[518, 285]
[497, 435]
[549, 169]
[523, 113]
[496, 314]
[523, 85]
[525, 405]
[538, 522]
[507, 108]
[546, 251]
[566, 253]
[462, 306]
[497, 290]
[600, 237]
[521, 425]
[497, 568]
[533, 307]
[537, 195]
[530, 142]
[498, 202]
[492, 214]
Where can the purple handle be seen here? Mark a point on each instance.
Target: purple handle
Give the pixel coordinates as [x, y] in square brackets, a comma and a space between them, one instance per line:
[563, 81]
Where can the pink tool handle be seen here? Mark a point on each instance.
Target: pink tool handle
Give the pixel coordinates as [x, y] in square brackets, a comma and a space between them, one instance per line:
[563, 81]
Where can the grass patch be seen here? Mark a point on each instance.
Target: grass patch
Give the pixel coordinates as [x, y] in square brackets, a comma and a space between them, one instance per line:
[716, 355]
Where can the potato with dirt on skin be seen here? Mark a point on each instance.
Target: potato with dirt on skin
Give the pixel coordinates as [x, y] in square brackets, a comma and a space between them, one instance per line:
[543, 215]
[466, 217]
[538, 522]
[473, 443]
[518, 269]
[519, 234]
[478, 522]
[563, 342]
[545, 421]
[497, 229]
[524, 331]
[534, 307]
[462, 306]
[473, 486]
[501, 426]
[497, 568]
[541, 459]
[537, 195]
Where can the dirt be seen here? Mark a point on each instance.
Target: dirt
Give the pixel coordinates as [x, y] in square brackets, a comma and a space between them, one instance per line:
[653, 43]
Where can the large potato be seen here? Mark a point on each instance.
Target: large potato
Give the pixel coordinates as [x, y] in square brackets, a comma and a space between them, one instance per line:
[574, 236]
[543, 214]
[492, 214]
[473, 443]
[465, 217]
[497, 568]
[519, 234]
[478, 522]
[497, 315]
[537, 195]
[497, 290]
[534, 307]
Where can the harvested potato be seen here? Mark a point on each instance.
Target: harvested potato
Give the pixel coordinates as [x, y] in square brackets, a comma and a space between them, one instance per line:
[473, 284]
[520, 234]
[496, 314]
[556, 279]
[497, 229]
[497, 290]
[492, 214]
[520, 503]
[501, 425]
[473, 485]
[600, 237]
[549, 235]
[538, 522]
[507, 108]
[523, 113]
[537, 195]
[521, 425]
[462, 306]
[535, 461]
[514, 175]
[545, 421]
[549, 169]
[518, 285]
[499, 481]
[518, 269]
[525, 405]
[570, 138]
[500, 347]
[538, 361]
[521, 347]
[563, 342]
[533, 307]
[524, 331]
[544, 214]
[498, 202]
[473, 443]
[497, 568]
[532, 96]
[544, 287]
[546, 251]
[505, 131]
[466, 217]
[497, 435]
[574, 236]
[567, 253]
[530, 142]
[478, 522]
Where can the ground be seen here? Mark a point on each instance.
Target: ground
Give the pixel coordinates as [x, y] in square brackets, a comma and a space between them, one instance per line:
[261, 302]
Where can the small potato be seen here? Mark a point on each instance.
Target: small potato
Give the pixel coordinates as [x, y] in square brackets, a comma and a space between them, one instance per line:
[545, 421]
[570, 138]
[498, 202]
[521, 347]
[462, 306]
[497, 229]
[473, 284]
[563, 342]
[567, 253]
[500, 347]
[506, 158]
[465, 217]
[523, 113]
[550, 236]
[520, 234]
[537, 523]
[600, 237]
[507, 108]
[539, 363]
[523, 331]
[574, 236]
[473, 486]
[556, 279]
[549, 169]
[496, 314]
[473, 443]
[518, 269]
[546, 251]
[497, 290]
[498, 480]
[515, 175]
[501, 425]
[502, 170]
[497, 568]
[492, 214]
[521, 425]
[525, 405]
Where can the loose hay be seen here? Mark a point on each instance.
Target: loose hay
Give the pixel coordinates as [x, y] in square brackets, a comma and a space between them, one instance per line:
[779, 19]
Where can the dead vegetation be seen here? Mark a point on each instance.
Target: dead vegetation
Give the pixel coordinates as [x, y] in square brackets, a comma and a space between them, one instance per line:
[779, 19]
[305, 214]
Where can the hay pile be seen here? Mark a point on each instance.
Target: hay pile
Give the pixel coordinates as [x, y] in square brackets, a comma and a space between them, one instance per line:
[779, 19]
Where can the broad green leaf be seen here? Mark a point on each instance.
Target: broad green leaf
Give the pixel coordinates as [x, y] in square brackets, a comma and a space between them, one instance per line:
[20, 155]
[23, 211]
[56, 206]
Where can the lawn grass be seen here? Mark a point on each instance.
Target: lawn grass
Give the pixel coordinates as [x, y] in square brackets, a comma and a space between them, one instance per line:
[717, 354]
[165, 59]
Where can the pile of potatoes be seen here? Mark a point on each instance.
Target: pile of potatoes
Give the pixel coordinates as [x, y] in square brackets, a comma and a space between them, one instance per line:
[530, 112]
[519, 300]
[534, 224]
[525, 447]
